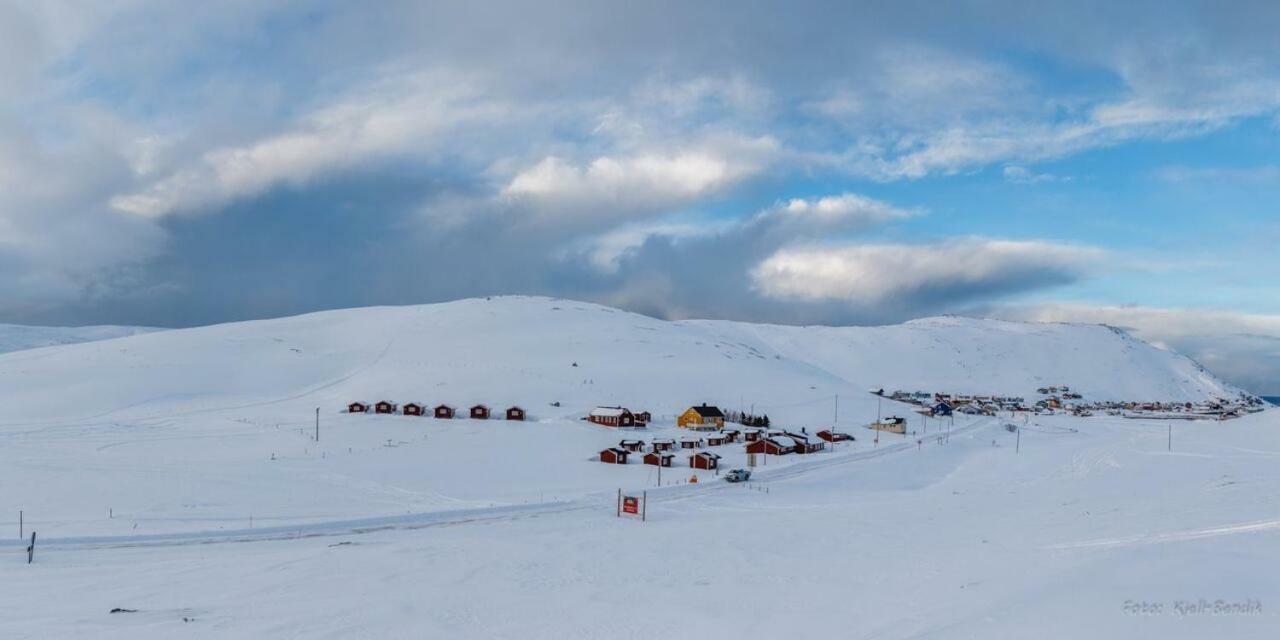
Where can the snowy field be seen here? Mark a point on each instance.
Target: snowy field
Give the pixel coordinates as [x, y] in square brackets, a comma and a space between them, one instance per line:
[1064, 539]
[176, 473]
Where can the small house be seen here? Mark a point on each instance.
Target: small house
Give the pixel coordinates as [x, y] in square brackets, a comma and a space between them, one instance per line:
[702, 416]
[715, 440]
[751, 435]
[414, 409]
[664, 444]
[612, 417]
[643, 417]
[942, 408]
[444, 411]
[776, 446]
[704, 460]
[384, 406]
[834, 436]
[691, 443]
[632, 445]
[892, 424]
[659, 459]
[613, 455]
[731, 435]
[479, 412]
[358, 407]
[515, 413]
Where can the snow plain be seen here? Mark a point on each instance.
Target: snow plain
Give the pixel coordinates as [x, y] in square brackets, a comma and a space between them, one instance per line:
[413, 527]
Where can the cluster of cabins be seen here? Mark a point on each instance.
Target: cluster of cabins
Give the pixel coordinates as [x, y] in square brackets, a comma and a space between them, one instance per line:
[660, 451]
[943, 404]
[440, 411]
[702, 417]
[1061, 398]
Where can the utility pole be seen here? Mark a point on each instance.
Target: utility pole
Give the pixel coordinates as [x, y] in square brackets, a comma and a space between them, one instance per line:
[1170, 435]
[1017, 447]
[317, 424]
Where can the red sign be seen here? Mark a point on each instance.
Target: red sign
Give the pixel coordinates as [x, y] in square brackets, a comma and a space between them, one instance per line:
[630, 505]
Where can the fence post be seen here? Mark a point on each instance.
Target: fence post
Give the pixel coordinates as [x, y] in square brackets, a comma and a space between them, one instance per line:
[31, 548]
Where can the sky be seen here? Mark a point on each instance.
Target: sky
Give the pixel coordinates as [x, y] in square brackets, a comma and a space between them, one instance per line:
[164, 164]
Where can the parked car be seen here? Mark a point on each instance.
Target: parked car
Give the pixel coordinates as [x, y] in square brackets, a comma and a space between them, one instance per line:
[737, 475]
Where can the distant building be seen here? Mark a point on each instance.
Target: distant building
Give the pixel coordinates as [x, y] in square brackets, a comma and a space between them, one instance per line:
[358, 407]
[384, 406]
[444, 411]
[659, 459]
[834, 436]
[479, 412]
[613, 455]
[515, 413]
[632, 445]
[414, 409]
[704, 460]
[702, 416]
[612, 417]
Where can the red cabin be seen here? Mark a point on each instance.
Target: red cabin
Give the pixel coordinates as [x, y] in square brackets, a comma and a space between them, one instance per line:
[632, 445]
[715, 441]
[751, 435]
[384, 407]
[643, 417]
[358, 407]
[613, 455]
[659, 459]
[414, 409]
[479, 412]
[771, 446]
[515, 413]
[704, 460]
[612, 417]
[444, 411]
[663, 445]
[834, 436]
[691, 443]
[731, 435]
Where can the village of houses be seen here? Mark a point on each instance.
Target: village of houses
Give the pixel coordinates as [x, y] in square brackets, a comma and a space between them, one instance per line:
[707, 429]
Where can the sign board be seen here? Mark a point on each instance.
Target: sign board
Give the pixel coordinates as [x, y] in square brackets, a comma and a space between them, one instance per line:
[631, 504]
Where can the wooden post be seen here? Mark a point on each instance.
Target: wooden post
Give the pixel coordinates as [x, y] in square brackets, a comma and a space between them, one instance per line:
[20, 533]
[1170, 435]
[644, 506]
[31, 548]
[618, 504]
[1017, 447]
[317, 424]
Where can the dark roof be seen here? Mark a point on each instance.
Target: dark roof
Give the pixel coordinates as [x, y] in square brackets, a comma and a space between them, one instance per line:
[708, 412]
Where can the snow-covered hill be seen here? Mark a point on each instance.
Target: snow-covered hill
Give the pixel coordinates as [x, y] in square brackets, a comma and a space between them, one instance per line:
[536, 351]
[16, 337]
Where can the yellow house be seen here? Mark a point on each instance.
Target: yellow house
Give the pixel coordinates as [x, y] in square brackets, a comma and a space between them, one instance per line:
[701, 417]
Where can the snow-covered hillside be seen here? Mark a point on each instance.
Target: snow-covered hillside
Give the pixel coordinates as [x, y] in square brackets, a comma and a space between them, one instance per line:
[16, 337]
[524, 350]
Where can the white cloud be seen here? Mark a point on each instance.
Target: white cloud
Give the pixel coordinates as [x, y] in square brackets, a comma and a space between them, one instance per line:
[646, 182]
[845, 208]
[398, 115]
[870, 274]
[1017, 174]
